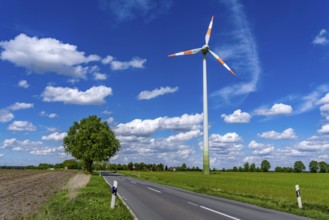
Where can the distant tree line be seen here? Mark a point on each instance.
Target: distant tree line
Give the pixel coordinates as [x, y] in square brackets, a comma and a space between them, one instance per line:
[299, 167]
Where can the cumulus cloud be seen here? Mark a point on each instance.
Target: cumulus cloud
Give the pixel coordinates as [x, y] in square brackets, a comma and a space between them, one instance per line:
[276, 109]
[5, 115]
[324, 129]
[147, 127]
[94, 96]
[100, 76]
[54, 136]
[136, 62]
[21, 126]
[321, 38]
[324, 99]
[237, 117]
[146, 95]
[24, 84]
[184, 136]
[217, 139]
[20, 145]
[254, 145]
[42, 55]
[286, 134]
[43, 151]
[20, 105]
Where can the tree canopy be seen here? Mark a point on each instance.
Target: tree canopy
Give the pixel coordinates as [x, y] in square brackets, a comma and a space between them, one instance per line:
[91, 140]
[265, 166]
[314, 166]
[299, 167]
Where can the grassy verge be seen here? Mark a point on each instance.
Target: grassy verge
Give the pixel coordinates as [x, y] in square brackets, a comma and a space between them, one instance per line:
[91, 202]
[269, 190]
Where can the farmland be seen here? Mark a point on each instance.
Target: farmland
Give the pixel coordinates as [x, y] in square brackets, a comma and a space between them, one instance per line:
[24, 191]
[270, 190]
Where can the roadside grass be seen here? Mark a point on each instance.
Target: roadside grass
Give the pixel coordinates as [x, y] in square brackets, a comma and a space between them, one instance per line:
[89, 202]
[269, 190]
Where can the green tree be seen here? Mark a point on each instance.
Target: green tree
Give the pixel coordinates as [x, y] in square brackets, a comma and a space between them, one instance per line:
[314, 166]
[323, 167]
[252, 167]
[278, 169]
[265, 166]
[91, 140]
[70, 164]
[299, 167]
[246, 167]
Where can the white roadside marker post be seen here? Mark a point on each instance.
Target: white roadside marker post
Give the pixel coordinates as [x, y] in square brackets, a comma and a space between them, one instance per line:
[299, 199]
[114, 193]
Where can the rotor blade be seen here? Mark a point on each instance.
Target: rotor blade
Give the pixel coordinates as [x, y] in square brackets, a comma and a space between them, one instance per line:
[187, 52]
[222, 62]
[209, 30]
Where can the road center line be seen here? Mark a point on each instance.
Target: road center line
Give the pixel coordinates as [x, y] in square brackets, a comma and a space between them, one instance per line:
[220, 213]
[191, 203]
[154, 190]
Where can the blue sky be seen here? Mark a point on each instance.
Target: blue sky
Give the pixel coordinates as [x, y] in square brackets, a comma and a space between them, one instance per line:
[61, 61]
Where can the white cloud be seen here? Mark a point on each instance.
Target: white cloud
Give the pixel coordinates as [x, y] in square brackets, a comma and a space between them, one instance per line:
[100, 76]
[21, 126]
[324, 129]
[136, 62]
[93, 96]
[110, 120]
[286, 134]
[264, 151]
[321, 38]
[20, 145]
[20, 105]
[276, 109]
[54, 136]
[24, 84]
[226, 138]
[237, 117]
[107, 59]
[324, 99]
[1, 155]
[254, 145]
[44, 151]
[147, 127]
[184, 136]
[51, 115]
[5, 115]
[240, 54]
[42, 55]
[146, 95]
[125, 10]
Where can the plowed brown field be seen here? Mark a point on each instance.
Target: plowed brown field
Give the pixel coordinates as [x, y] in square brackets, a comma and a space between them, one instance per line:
[23, 192]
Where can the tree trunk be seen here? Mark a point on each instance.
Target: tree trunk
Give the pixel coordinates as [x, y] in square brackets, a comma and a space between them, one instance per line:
[89, 165]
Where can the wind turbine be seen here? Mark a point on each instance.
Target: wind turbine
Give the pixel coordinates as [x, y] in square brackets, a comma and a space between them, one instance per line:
[205, 49]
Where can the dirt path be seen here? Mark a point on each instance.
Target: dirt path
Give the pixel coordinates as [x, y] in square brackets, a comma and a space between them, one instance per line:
[24, 191]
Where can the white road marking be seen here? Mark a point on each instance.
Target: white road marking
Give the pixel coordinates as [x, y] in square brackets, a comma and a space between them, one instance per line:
[220, 213]
[191, 203]
[154, 190]
[133, 182]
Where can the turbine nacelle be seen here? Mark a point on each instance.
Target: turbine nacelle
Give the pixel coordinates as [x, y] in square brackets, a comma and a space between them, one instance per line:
[205, 49]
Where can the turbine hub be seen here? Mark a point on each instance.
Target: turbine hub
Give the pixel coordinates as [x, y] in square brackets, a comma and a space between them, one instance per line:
[205, 49]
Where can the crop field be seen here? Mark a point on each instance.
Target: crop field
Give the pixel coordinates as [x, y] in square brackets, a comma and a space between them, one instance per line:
[23, 192]
[270, 190]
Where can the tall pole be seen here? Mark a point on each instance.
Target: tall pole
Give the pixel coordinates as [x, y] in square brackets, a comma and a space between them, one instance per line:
[205, 120]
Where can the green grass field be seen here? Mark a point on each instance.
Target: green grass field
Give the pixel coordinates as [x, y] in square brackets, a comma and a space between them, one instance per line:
[91, 202]
[270, 190]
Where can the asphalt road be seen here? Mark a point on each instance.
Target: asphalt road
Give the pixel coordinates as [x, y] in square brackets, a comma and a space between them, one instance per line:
[153, 201]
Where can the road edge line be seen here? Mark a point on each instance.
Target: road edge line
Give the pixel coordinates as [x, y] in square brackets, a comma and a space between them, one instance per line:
[129, 209]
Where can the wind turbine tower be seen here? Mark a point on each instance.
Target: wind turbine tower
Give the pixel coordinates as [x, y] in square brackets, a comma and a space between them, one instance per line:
[205, 49]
